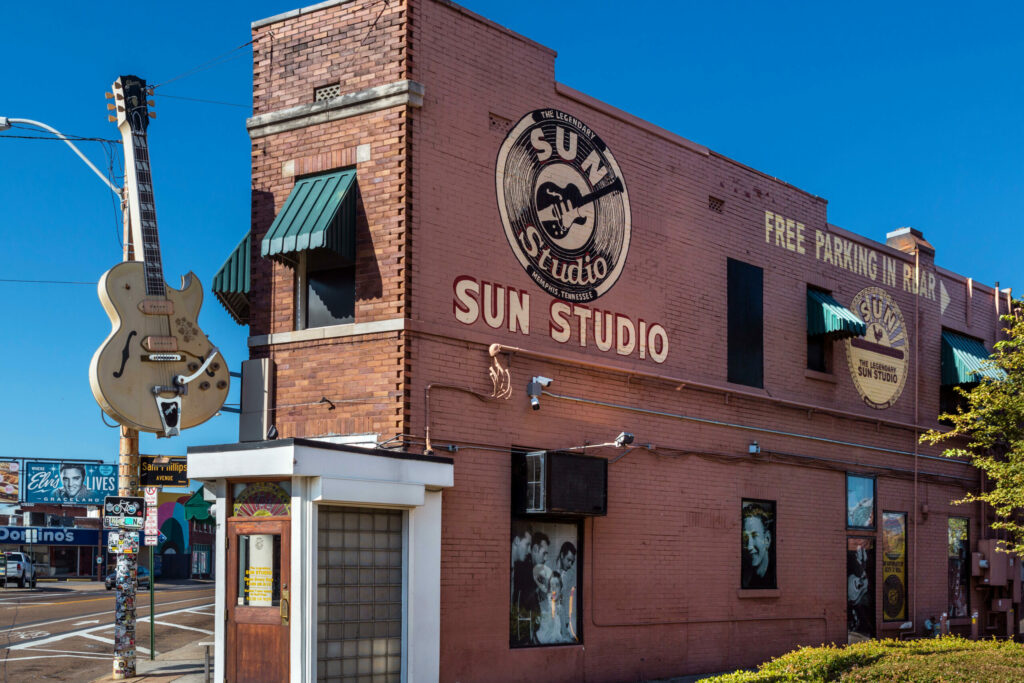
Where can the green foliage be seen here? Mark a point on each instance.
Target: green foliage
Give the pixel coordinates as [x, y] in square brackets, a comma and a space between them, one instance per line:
[947, 660]
[992, 427]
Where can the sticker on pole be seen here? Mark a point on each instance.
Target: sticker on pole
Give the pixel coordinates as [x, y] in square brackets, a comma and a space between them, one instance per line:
[120, 512]
[149, 494]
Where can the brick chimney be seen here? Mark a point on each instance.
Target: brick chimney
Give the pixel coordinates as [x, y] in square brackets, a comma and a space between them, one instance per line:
[909, 240]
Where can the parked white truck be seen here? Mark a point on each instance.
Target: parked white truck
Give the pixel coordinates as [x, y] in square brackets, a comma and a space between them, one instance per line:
[20, 568]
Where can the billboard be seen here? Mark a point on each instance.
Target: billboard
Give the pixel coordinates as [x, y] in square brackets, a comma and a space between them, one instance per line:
[9, 482]
[68, 482]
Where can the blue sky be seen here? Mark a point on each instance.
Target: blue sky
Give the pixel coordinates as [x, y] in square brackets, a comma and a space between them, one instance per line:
[898, 114]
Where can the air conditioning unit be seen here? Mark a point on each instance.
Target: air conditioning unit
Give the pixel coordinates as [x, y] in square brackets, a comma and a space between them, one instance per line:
[559, 483]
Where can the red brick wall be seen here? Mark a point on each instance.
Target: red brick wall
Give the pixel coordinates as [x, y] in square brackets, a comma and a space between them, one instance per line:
[359, 45]
[659, 573]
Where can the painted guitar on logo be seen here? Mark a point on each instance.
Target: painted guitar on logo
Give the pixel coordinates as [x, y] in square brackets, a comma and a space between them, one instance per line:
[156, 371]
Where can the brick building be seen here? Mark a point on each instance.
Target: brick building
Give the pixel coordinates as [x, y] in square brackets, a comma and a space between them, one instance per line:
[540, 391]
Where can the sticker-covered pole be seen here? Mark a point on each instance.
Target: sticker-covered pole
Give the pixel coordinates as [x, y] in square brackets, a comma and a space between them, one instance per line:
[127, 485]
[127, 567]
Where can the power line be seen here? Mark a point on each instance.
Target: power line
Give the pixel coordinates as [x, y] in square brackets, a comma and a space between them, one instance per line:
[196, 99]
[209, 64]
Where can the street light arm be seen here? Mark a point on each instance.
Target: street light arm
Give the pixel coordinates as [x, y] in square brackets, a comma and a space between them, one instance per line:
[6, 122]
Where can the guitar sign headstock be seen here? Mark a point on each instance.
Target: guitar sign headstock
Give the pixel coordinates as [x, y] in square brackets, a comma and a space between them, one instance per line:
[130, 104]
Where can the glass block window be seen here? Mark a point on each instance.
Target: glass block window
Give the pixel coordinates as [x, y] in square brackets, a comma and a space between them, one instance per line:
[359, 599]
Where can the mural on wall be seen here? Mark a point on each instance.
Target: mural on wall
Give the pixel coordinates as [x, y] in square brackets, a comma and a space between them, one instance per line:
[563, 204]
[758, 551]
[860, 589]
[879, 361]
[894, 566]
[545, 600]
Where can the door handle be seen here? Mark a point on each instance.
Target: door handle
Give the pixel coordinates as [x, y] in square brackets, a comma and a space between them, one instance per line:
[285, 606]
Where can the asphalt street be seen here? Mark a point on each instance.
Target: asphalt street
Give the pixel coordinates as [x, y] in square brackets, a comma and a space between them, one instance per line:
[65, 632]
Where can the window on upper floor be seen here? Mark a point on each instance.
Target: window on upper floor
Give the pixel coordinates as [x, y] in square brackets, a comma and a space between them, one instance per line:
[314, 233]
[827, 320]
[745, 324]
[963, 366]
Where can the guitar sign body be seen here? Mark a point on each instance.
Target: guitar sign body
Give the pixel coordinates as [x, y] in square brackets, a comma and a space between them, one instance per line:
[156, 371]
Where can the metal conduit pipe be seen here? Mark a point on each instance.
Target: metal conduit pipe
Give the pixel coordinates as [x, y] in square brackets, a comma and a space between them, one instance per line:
[734, 425]
[495, 349]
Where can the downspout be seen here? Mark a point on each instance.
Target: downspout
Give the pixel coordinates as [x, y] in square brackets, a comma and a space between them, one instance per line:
[917, 407]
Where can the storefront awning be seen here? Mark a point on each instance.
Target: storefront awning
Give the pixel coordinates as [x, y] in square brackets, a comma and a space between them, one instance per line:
[231, 283]
[826, 316]
[320, 213]
[963, 360]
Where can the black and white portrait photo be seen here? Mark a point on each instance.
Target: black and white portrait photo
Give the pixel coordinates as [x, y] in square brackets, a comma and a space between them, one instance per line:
[860, 589]
[544, 596]
[758, 550]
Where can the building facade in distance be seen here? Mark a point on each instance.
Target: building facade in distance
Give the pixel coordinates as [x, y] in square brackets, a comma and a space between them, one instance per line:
[540, 391]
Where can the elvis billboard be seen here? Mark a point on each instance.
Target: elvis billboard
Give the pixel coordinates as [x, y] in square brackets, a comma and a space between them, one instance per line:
[68, 482]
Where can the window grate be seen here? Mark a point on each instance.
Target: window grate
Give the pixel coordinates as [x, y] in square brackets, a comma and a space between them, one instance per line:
[327, 92]
[499, 124]
[716, 204]
[359, 598]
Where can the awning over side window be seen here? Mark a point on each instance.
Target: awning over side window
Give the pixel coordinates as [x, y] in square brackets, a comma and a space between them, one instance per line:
[231, 283]
[962, 360]
[320, 213]
[826, 316]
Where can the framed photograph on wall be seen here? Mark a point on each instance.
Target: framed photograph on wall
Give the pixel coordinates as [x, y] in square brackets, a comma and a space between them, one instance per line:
[545, 583]
[757, 567]
[959, 567]
[860, 502]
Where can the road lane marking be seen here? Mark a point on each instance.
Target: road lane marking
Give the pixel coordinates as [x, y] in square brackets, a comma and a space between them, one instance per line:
[87, 632]
[87, 621]
[187, 628]
[108, 641]
[100, 614]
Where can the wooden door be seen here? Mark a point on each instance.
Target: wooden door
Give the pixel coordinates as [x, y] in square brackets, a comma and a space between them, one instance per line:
[258, 600]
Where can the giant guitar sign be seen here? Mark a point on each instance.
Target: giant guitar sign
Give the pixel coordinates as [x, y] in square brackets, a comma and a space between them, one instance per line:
[156, 371]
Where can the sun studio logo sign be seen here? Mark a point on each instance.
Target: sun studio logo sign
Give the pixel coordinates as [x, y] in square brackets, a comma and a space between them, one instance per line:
[563, 204]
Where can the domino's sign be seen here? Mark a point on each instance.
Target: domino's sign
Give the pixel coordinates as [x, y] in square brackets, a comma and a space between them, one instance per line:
[49, 535]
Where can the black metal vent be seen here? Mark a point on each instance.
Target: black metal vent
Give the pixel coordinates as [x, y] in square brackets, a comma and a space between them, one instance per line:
[716, 204]
[559, 484]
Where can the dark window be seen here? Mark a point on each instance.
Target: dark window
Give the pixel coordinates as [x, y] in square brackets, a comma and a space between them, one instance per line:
[819, 348]
[330, 290]
[745, 324]
[951, 401]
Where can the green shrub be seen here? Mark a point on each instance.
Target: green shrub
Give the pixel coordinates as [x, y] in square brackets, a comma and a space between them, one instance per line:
[941, 660]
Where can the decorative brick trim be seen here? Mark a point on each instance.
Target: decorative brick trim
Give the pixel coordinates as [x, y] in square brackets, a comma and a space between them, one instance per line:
[329, 332]
[366, 101]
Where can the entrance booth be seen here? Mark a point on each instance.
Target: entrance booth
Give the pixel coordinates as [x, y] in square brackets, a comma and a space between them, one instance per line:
[327, 560]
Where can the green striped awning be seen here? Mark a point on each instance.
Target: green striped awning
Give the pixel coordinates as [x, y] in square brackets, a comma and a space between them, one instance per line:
[197, 508]
[826, 316]
[963, 360]
[320, 213]
[231, 283]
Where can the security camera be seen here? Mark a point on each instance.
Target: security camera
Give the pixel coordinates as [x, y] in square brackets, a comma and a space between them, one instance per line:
[535, 388]
[623, 439]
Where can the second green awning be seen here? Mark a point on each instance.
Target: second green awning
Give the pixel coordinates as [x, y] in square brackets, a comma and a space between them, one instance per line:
[826, 316]
[231, 283]
[963, 360]
[320, 213]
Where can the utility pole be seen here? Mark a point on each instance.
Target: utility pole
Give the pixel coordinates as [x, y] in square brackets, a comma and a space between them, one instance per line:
[127, 485]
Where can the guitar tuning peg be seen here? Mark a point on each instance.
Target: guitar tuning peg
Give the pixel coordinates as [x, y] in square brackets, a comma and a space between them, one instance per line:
[150, 89]
[111, 107]
[120, 108]
[120, 96]
[109, 95]
[112, 119]
[152, 114]
[151, 103]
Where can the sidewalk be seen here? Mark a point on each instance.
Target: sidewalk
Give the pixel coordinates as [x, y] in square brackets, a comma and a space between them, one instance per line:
[184, 665]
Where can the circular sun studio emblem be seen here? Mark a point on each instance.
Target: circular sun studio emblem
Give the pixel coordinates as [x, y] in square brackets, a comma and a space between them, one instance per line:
[563, 204]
